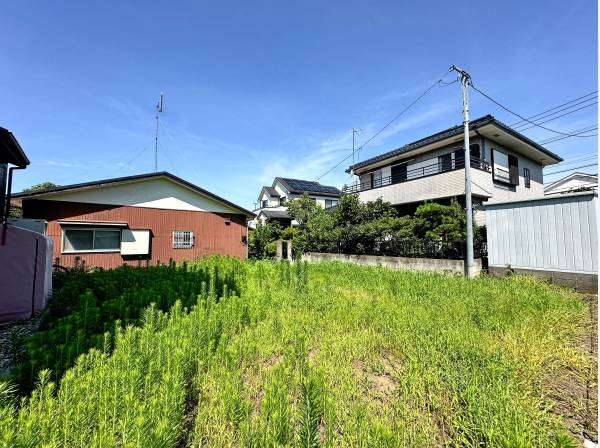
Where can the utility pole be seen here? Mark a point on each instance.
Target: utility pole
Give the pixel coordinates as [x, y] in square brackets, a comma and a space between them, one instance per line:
[465, 80]
[159, 109]
[354, 131]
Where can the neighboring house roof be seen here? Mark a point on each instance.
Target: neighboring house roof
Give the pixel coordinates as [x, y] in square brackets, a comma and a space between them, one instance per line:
[129, 179]
[591, 180]
[306, 186]
[270, 191]
[474, 125]
[276, 214]
[10, 150]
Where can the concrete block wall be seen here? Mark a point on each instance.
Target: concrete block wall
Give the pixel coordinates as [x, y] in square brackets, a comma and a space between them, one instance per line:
[415, 264]
[580, 282]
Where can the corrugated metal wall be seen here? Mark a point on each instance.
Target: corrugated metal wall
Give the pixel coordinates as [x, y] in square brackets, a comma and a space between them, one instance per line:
[554, 234]
[215, 233]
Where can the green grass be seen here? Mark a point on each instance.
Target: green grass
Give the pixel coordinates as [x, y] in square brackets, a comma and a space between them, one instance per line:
[324, 355]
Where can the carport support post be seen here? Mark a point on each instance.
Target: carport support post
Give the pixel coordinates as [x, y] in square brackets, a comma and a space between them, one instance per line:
[465, 80]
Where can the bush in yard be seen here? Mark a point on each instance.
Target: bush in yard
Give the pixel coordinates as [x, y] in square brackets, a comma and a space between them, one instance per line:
[289, 233]
[437, 221]
[260, 237]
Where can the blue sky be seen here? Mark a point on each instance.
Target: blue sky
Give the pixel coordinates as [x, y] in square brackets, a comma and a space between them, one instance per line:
[260, 89]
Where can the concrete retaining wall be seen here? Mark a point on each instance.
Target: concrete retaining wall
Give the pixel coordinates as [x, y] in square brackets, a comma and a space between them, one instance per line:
[578, 281]
[415, 264]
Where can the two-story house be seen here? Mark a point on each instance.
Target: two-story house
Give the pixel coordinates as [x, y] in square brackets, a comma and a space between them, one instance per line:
[506, 165]
[272, 200]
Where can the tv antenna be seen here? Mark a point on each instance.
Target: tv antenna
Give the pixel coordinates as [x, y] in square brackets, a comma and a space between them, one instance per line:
[159, 109]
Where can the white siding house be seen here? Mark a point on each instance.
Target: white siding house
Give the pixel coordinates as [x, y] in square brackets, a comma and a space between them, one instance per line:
[505, 164]
[272, 200]
[573, 182]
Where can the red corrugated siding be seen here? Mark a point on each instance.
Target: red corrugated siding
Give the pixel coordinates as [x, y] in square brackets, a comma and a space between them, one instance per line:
[212, 234]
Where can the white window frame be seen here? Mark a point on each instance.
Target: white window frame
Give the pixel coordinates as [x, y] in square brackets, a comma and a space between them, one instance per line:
[93, 229]
[333, 203]
[179, 237]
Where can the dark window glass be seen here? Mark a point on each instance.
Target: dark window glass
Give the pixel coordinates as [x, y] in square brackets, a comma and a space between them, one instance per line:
[475, 151]
[399, 173]
[265, 203]
[76, 239]
[459, 158]
[513, 169]
[107, 239]
[527, 176]
[445, 162]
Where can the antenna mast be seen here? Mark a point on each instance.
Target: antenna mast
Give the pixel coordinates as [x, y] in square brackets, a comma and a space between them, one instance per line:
[159, 109]
[354, 131]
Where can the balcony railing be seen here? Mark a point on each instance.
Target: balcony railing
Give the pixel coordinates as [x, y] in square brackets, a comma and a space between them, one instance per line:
[440, 166]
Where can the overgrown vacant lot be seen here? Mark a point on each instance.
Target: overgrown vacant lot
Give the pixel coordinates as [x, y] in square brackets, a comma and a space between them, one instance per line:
[330, 355]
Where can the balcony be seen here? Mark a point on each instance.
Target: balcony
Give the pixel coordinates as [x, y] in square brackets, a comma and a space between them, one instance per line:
[425, 169]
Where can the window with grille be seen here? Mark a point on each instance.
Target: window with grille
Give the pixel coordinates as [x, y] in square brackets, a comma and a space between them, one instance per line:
[183, 239]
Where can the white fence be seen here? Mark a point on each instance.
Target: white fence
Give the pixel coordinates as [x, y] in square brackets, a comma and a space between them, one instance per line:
[554, 233]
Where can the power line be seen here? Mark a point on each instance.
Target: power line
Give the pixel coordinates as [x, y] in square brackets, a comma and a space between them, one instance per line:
[562, 110]
[558, 116]
[574, 161]
[576, 131]
[518, 123]
[520, 116]
[571, 169]
[370, 139]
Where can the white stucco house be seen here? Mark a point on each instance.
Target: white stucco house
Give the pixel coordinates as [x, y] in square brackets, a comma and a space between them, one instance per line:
[272, 200]
[506, 166]
[572, 183]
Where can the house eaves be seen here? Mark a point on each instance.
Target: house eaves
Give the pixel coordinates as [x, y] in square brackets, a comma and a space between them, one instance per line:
[449, 135]
[10, 150]
[130, 179]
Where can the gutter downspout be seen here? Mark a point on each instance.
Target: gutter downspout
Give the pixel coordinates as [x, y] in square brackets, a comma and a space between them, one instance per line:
[8, 197]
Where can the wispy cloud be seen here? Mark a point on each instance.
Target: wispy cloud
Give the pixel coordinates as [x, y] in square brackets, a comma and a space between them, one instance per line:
[331, 150]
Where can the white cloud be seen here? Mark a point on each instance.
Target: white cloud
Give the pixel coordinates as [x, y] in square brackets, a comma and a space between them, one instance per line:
[332, 150]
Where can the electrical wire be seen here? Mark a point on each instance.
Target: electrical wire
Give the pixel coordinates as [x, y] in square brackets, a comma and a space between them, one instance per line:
[558, 116]
[388, 124]
[576, 131]
[570, 169]
[538, 115]
[520, 116]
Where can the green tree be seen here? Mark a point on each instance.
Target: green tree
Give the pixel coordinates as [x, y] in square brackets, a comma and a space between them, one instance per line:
[16, 212]
[302, 209]
[261, 237]
[437, 221]
[40, 187]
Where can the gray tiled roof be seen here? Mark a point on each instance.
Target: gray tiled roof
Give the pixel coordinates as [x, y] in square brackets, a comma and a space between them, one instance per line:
[451, 132]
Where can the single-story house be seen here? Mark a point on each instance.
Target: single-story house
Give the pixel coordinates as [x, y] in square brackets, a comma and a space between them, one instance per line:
[574, 182]
[150, 218]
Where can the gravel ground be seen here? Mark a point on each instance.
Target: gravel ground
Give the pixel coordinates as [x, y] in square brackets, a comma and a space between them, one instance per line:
[12, 337]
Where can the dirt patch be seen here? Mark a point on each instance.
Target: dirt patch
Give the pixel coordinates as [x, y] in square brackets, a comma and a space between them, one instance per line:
[250, 380]
[380, 380]
[270, 362]
[189, 418]
[575, 391]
